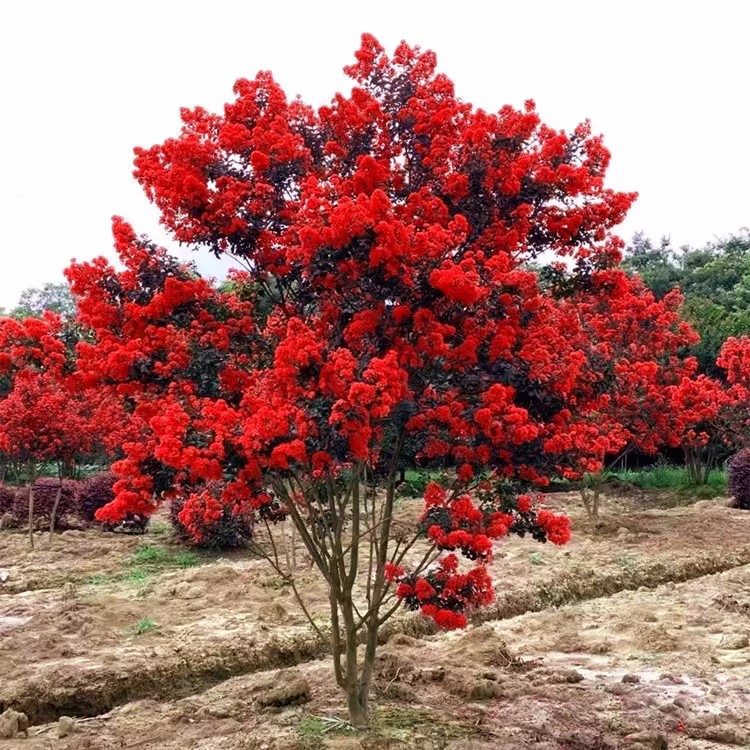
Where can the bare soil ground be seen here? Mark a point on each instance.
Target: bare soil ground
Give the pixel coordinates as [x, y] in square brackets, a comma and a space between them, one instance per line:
[630, 634]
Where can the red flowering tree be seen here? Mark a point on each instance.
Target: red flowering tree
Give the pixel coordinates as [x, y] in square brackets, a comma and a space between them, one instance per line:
[734, 418]
[642, 392]
[707, 412]
[40, 420]
[47, 414]
[387, 298]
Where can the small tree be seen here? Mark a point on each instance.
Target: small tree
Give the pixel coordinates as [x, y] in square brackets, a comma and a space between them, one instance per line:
[637, 368]
[204, 520]
[702, 405]
[388, 300]
[41, 421]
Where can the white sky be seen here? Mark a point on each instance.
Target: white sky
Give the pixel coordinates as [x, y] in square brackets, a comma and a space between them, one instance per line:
[82, 83]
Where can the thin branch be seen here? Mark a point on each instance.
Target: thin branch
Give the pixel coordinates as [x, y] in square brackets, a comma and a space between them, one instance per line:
[288, 578]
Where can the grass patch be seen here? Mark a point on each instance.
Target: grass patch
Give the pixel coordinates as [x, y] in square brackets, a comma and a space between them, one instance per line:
[153, 558]
[389, 724]
[187, 560]
[399, 723]
[136, 577]
[312, 729]
[144, 563]
[144, 626]
[310, 732]
[627, 560]
[150, 560]
[159, 528]
[151, 555]
[670, 478]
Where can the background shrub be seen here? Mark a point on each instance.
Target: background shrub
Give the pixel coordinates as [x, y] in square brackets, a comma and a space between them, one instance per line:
[45, 492]
[7, 499]
[98, 491]
[95, 492]
[739, 478]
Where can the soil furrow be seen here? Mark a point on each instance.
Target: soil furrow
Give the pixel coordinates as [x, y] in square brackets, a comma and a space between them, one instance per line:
[84, 687]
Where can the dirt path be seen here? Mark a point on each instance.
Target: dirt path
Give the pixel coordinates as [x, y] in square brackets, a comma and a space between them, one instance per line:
[641, 669]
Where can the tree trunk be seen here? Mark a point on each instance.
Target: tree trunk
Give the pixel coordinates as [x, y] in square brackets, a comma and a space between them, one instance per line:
[586, 501]
[597, 491]
[697, 473]
[590, 497]
[32, 479]
[31, 516]
[356, 701]
[336, 546]
[356, 683]
[53, 515]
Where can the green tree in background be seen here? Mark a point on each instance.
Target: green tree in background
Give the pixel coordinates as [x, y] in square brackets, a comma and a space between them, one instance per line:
[715, 280]
[51, 297]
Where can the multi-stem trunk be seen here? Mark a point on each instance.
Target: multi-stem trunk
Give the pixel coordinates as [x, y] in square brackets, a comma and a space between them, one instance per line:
[348, 538]
[698, 469]
[591, 495]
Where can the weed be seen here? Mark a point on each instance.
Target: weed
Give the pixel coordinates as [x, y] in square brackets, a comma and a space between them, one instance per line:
[152, 555]
[335, 724]
[137, 576]
[535, 558]
[160, 528]
[400, 723]
[626, 560]
[311, 730]
[187, 560]
[144, 626]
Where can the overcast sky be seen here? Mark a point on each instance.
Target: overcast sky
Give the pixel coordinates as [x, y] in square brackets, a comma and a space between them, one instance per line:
[83, 83]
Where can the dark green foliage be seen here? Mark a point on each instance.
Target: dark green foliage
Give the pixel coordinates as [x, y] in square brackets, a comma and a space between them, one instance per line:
[659, 267]
[416, 481]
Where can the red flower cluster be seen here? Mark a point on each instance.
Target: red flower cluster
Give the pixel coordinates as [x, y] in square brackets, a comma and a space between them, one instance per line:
[455, 521]
[42, 417]
[555, 527]
[206, 519]
[635, 377]
[444, 594]
[459, 523]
